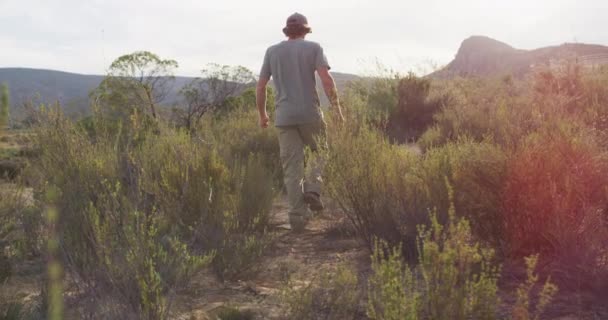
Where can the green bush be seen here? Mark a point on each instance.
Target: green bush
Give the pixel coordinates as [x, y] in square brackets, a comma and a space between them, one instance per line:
[10, 168]
[554, 193]
[554, 202]
[418, 103]
[237, 135]
[387, 190]
[392, 292]
[335, 294]
[522, 310]
[21, 223]
[367, 176]
[485, 109]
[507, 110]
[19, 235]
[111, 235]
[137, 219]
[373, 99]
[458, 279]
[402, 106]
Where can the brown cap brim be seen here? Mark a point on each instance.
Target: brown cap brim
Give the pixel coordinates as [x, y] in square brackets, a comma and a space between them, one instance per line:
[305, 26]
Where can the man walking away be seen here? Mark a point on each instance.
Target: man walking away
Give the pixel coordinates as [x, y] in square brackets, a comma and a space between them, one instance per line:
[292, 64]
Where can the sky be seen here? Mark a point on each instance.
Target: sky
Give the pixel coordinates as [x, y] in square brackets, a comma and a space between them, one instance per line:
[85, 36]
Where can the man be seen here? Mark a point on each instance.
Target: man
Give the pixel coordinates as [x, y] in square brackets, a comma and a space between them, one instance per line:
[292, 64]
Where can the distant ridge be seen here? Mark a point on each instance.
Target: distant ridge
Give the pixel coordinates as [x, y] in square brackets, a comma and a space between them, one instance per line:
[72, 90]
[484, 56]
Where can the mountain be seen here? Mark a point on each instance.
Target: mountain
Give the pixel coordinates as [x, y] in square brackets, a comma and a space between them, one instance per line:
[71, 90]
[48, 86]
[483, 56]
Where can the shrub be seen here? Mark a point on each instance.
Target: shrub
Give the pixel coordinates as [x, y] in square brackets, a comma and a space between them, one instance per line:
[374, 100]
[402, 106]
[21, 223]
[334, 295]
[10, 168]
[554, 202]
[458, 279]
[112, 237]
[508, 110]
[417, 105]
[392, 293]
[367, 176]
[554, 194]
[137, 219]
[386, 190]
[477, 173]
[12, 233]
[490, 109]
[237, 135]
[432, 137]
[522, 309]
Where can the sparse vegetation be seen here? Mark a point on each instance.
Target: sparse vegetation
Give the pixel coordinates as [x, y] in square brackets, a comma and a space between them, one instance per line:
[132, 203]
[456, 277]
[523, 309]
[334, 295]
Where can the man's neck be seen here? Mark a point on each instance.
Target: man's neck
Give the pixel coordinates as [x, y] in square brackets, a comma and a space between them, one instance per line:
[296, 38]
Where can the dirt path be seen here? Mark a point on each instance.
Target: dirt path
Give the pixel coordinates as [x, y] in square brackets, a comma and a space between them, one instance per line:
[322, 245]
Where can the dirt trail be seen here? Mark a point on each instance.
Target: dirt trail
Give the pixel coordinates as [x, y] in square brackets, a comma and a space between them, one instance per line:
[322, 245]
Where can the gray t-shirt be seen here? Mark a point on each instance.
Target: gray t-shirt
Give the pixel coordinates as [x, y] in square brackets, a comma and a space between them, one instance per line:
[292, 65]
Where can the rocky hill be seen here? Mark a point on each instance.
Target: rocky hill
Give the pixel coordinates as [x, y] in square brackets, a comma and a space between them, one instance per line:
[483, 56]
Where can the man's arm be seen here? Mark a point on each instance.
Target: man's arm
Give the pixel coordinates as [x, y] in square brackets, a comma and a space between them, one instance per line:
[329, 86]
[260, 99]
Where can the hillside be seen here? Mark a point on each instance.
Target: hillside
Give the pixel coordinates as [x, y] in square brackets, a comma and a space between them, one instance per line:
[483, 56]
[72, 89]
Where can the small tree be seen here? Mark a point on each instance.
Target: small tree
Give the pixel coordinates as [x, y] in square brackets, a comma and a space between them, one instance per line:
[212, 91]
[139, 80]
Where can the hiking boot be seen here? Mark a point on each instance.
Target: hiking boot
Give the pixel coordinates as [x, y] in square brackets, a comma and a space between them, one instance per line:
[313, 200]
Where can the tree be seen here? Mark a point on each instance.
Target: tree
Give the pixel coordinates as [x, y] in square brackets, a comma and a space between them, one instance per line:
[4, 107]
[212, 91]
[140, 80]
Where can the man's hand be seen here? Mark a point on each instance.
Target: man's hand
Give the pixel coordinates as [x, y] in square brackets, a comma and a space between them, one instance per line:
[264, 120]
[260, 99]
[329, 86]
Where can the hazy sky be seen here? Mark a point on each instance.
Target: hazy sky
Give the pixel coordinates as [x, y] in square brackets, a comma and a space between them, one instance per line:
[84, 36]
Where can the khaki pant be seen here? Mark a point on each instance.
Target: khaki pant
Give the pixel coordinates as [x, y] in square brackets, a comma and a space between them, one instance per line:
[300, 174]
